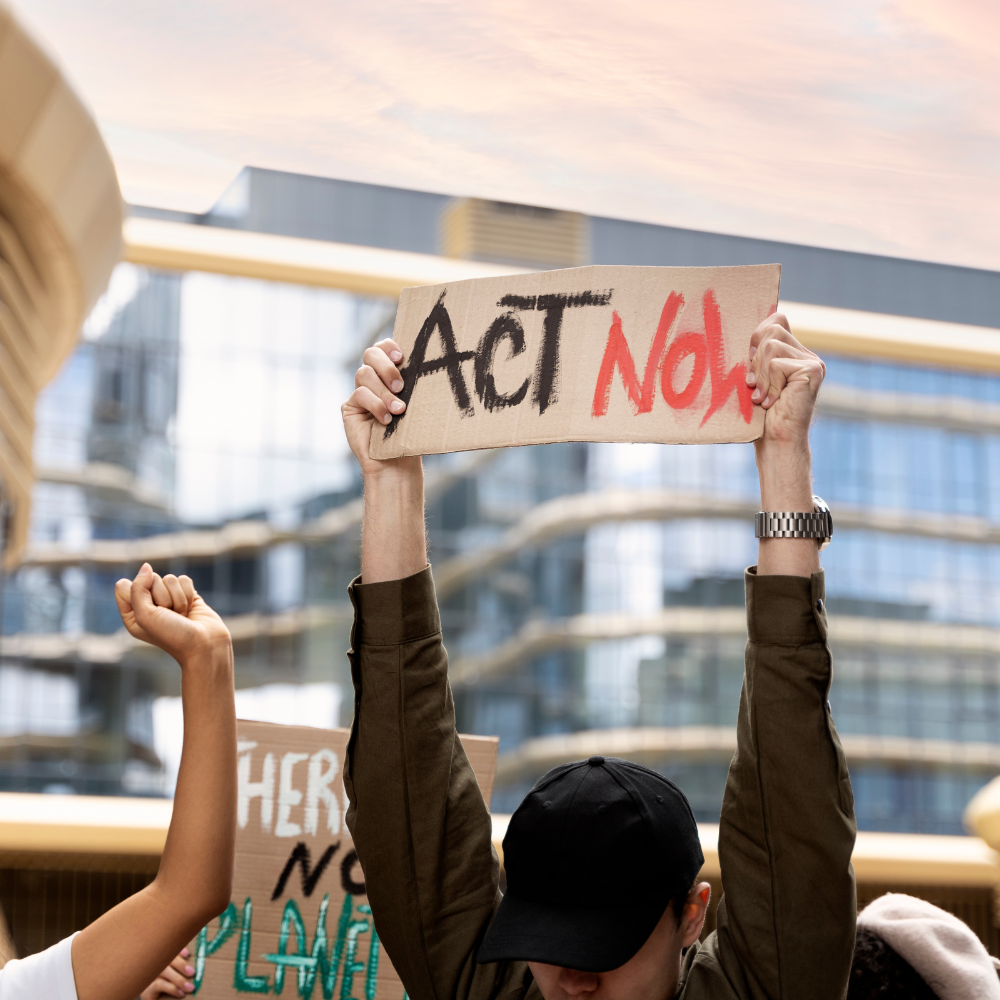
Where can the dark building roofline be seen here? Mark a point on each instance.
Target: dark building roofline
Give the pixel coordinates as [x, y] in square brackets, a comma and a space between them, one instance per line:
[272, 201]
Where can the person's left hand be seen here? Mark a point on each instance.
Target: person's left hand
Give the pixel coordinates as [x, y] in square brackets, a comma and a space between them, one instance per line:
[786, 378]
[173, 981]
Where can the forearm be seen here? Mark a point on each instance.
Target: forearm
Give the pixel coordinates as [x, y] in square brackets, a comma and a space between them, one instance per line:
[785, 470]
[197, 858]
[393, 544]
[195, 876]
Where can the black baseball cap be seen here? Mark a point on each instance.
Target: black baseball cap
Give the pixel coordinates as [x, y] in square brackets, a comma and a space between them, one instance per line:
[593, 856]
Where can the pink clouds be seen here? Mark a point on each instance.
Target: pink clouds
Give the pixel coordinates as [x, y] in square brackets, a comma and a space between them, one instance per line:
[860, 125]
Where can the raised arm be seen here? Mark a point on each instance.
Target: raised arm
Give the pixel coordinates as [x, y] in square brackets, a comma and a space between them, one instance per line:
[420, 826]
[122, 952]
[786, 922]
[392, 533]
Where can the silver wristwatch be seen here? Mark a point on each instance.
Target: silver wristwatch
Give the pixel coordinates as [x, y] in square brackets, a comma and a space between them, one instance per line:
[818, 523]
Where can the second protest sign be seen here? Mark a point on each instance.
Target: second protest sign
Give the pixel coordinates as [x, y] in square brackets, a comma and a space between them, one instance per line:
[299, 923]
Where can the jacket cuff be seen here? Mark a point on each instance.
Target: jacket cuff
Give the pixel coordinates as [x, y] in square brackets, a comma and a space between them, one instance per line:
[786, 610]
[394, 611]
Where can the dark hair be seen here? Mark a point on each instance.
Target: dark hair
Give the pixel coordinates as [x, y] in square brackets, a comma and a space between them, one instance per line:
[879, 973]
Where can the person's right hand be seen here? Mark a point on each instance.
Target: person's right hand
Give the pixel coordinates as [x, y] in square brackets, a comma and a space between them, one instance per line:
[374, 399]
[173, 981]
[168, 612]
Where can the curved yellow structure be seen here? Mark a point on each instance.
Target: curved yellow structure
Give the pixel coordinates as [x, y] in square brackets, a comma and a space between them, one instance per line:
[982, 814]
[60, 236]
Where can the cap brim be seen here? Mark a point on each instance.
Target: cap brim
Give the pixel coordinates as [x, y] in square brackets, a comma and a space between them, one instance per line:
[587, 938]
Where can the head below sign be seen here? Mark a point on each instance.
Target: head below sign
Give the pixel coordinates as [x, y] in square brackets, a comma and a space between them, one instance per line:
[601, 860]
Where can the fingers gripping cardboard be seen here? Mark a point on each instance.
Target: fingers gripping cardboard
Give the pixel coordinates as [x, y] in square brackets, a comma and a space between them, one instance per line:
[299, 923]
[587, 354]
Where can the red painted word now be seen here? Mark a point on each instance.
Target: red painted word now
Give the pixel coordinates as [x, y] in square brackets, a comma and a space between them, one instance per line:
[708, 351]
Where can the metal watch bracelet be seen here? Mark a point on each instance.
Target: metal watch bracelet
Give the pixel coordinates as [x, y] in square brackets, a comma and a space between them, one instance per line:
[816, 524]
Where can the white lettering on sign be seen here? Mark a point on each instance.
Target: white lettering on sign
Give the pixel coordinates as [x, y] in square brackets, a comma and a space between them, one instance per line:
[322, 773]
[318, 790]
[288, 796]
[247, 789]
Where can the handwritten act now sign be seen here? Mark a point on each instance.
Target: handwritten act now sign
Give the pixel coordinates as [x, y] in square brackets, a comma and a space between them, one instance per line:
[299, 924]
[587, 354]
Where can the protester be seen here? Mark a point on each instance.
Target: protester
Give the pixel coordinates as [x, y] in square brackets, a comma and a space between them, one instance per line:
[602, 856]
[909, 949]
[121, 952]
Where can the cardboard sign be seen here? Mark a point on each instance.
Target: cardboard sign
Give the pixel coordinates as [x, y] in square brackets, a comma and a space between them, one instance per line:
[299, 924]
[587, 354]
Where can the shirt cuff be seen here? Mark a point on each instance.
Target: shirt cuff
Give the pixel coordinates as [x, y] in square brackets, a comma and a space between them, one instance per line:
[394, 611]
[786, 610]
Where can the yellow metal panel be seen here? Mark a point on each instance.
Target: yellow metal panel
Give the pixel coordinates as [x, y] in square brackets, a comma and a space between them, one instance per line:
[15, 380]
[902, 338]
[15, 429]
[52, 148]
[899, 858]
[26, 79]
[83, 823]
[923, 859]
[55, 254]
[101, 237]
[372, 271]
[94, 824]
[83, 190]
[982, 814]
[364, 270]
[479, 229]
[22, 352]
[13, 294]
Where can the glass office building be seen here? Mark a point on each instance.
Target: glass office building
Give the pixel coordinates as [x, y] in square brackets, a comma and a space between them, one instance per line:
[201, 413]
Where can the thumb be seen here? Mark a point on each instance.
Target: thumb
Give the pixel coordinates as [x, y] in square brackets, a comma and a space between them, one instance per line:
[142, 597]
[123, 595]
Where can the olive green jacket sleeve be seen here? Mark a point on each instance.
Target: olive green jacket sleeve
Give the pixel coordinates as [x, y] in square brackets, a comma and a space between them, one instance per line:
[423, 833]
[420, 826]
[786, 922]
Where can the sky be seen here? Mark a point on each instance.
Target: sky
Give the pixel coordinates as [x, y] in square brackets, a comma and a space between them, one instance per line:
[869, 125]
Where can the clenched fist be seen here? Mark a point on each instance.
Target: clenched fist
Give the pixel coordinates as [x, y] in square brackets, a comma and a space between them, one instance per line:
[168, 612]
[786, 378]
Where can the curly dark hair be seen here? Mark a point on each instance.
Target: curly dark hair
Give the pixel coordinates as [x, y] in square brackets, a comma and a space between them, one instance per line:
[879, 973]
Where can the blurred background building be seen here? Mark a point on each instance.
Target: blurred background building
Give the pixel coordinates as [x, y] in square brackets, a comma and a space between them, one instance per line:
[591, 593]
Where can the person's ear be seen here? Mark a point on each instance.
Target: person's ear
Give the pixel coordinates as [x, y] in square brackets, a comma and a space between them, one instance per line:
[695, 911]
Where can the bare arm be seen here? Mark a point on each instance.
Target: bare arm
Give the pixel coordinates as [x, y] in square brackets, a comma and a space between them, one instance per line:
[786, 378]
[122, 952]
[393, 544]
